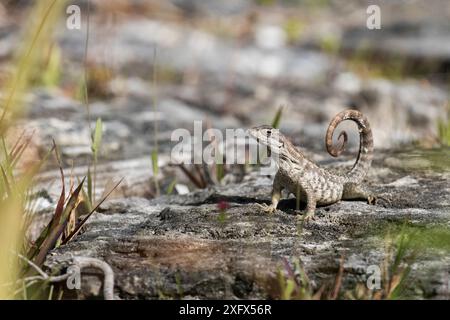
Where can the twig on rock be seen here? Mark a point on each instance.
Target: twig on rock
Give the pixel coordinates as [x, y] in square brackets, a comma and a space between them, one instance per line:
[108, 285]
[76, 264]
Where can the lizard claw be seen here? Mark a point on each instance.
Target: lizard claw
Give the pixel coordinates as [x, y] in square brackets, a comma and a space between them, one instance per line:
[309, 217]
[266, 208]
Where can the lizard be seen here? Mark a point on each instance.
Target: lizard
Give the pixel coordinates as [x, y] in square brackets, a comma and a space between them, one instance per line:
[305, 179]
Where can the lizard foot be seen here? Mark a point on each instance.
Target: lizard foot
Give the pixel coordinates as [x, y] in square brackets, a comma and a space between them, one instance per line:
[309, 217]
[266, 208]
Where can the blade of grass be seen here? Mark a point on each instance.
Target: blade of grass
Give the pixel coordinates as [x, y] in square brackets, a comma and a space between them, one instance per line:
[52, 73]
[16, 154]
[96, 144]
[155, 169]
[191, 177]
[276, 120]
[86, 67]
[200, 175]
[80, 224]
[56, 231]
[97, 138]
[16, 144]
[6, 183]
[171, 186]
[220, 171]
[155, 127]
[62, 197]
[338, 280]
[89, 195]
[24, 62]
[34, 248]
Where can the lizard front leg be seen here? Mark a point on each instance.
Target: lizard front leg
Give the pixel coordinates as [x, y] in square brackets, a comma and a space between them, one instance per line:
[276, 195]
[310, 205]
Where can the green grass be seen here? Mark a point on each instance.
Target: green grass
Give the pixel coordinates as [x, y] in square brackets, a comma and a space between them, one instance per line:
[171, 186]
[155, 151]
[17, 253]
[403, 245]
[330, 44]
[16, 183]
[52, 74]
[27, 61]
[95, 147]
[293, 28]
[294, 284]
[444, 131]
[421, 238]
[265, 2]
[277, 118]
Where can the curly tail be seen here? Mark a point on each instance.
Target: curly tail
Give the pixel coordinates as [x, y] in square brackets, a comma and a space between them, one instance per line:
[365, 154]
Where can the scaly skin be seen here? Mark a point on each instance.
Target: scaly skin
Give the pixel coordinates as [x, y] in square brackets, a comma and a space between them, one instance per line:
[315, 185]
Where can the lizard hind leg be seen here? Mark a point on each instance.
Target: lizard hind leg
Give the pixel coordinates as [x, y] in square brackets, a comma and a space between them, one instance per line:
[353, 191]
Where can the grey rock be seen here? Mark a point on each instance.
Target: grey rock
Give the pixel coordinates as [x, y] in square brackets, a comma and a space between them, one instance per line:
[8, 39]
[424, 40]
[218, 8]
[177, 246]
[202, 52]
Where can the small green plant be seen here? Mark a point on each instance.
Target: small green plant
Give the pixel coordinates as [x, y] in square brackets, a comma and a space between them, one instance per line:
[368, 64]
[204, 175]
[265, 2]
[294, 284]
[201, 176]
[93, 83]
[180, 291]
[293, 28]
[219, 168]
[79, 89]
[56, 231]
[171, 186]
[400, 254]
[155, 169]
[277, 119]
[222, 206]
[197, 177]
[154, 154]
[330, 44]
[402, 247]
[95, 147]
[52, 73]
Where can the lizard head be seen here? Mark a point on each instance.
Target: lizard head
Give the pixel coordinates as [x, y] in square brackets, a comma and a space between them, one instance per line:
[268, 136]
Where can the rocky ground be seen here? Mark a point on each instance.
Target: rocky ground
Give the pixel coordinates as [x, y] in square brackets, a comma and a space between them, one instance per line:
[179, 246]
[231, 64]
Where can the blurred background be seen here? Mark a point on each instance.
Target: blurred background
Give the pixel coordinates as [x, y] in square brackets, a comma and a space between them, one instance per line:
[111, 92]
[146, 68]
